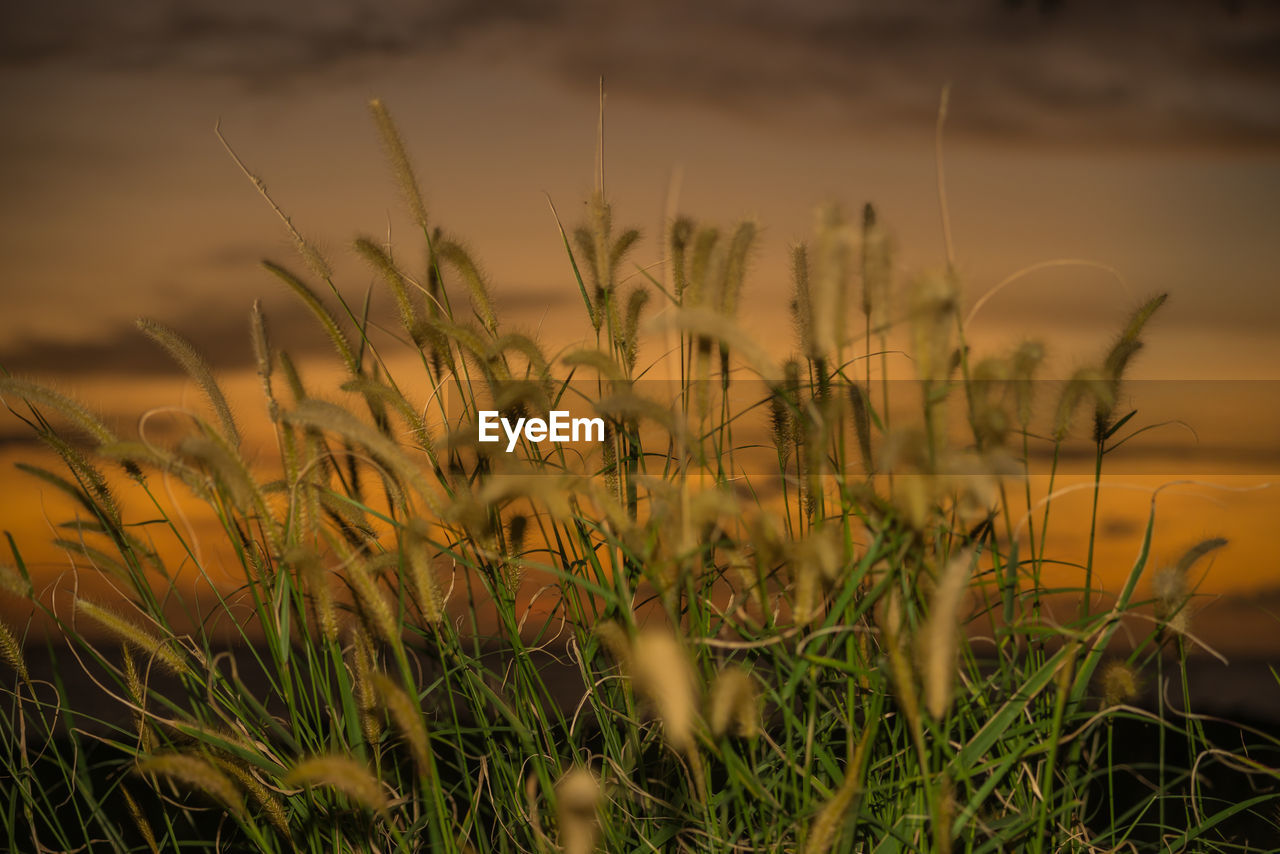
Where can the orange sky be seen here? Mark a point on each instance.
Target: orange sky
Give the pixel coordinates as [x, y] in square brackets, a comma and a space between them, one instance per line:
[1144, 139]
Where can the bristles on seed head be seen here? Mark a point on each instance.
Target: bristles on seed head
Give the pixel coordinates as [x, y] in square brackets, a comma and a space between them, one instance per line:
[140, 820]
[831, 265]
[75, 412]
[481, 299]
[158, 649]
[1119, 684]
[661, 672]
[266, 800]
[12, 582]
[373, 603]
[1171, 588]
[366, 698]
[400, 163]
[199, 774]
[345, 776]
[315, 581]
[186, 355]
[417, 553]
[11, 652]
[406, 714]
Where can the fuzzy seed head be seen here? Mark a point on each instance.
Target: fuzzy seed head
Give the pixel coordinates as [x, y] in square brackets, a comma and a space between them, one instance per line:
[345, 776]
[266, 800]
[140, 820]
[421, 574]
[615, 639]
[73, 411]
[11, 652]
[186, 355]
[578, 799]
[826, 826]
[481, 300]
[831, 264]
[199, 774]
[1022, 370]
[661, 672]
[375, 608]
[941, 634]
[366, 697]
[12, 582]
[664, 674]
[261, 343]
[406, 714]
[1169, 586]
[160, 650]
[1119, 684]
[399, 160]
[315, 580]
[734, 704]
[933, 308]
[681, 236]
[877, 269]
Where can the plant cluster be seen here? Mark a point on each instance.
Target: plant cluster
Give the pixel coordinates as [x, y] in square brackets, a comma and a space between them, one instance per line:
[853, 651]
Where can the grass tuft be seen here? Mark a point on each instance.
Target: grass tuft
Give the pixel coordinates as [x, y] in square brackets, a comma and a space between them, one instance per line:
[784, 605]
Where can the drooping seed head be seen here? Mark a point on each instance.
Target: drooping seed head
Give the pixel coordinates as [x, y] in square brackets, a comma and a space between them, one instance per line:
[199, 774]
[345, 776]
[159, 649]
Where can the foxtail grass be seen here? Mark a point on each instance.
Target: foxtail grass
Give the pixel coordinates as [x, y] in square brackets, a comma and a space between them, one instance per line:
[651, 643]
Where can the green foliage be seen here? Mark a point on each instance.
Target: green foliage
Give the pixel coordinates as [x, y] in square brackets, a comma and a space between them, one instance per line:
[777, 662]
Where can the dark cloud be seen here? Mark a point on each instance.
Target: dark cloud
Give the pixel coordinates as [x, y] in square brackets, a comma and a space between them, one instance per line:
[1148, 71]
[220, 333]
[247, 38]
[17, 437]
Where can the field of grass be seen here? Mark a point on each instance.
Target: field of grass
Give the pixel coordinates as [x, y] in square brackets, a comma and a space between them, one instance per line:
[774, 610]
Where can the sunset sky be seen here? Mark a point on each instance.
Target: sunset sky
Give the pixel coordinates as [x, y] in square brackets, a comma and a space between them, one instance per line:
[1142, 136]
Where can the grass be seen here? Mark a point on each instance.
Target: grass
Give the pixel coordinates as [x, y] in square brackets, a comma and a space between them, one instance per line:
[793, 612]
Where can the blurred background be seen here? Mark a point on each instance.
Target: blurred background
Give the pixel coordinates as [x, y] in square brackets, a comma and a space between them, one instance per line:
[1143, 137]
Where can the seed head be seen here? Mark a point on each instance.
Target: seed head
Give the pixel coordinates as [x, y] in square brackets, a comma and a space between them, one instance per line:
[733, 703]
[577, 802]
[1119, 684]
[406, 714]
[11, 652]
[343, 775]
[940, 636]
[198, 774]
[661, 672]
[140, 638]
